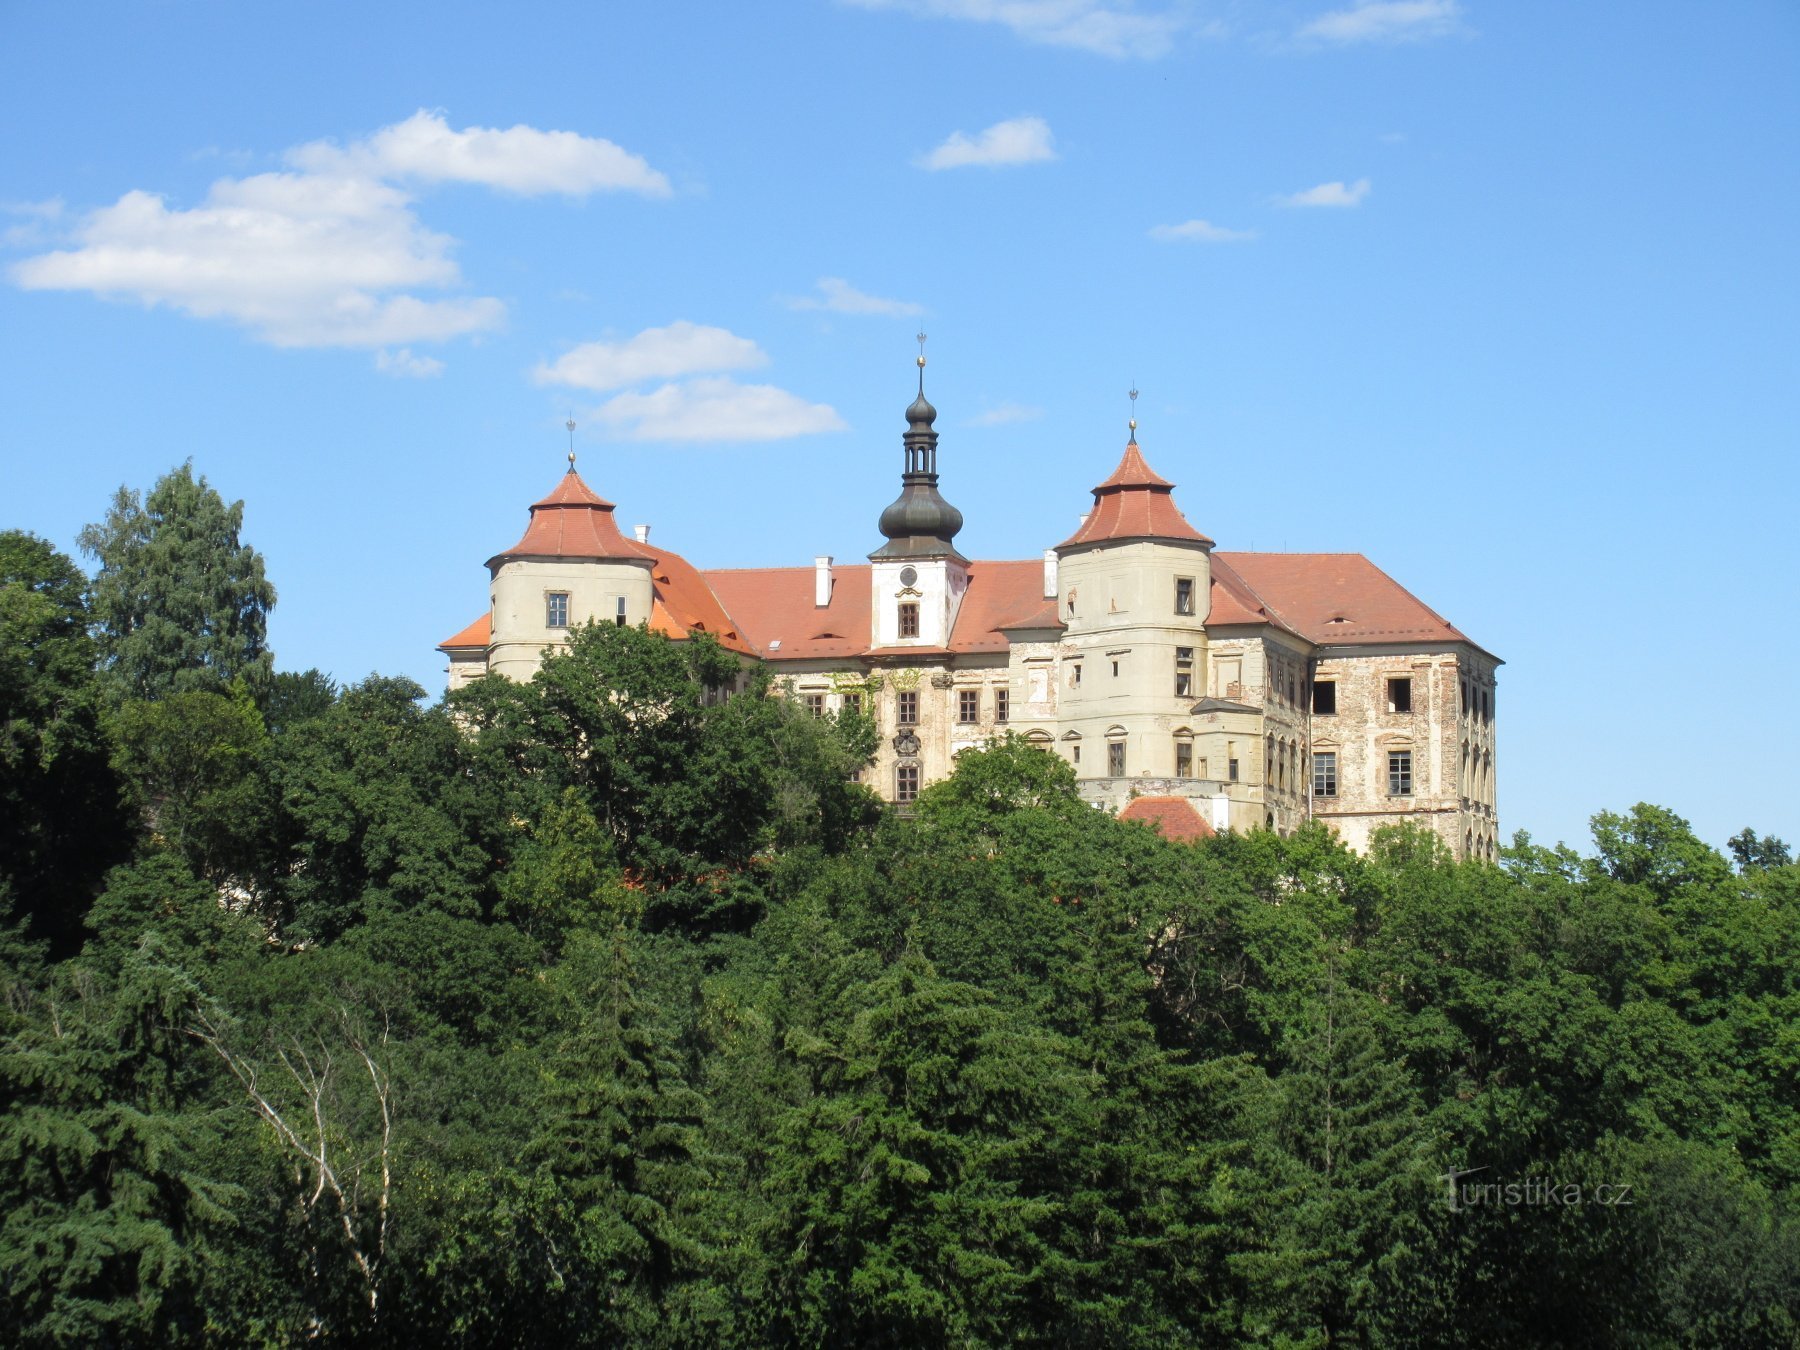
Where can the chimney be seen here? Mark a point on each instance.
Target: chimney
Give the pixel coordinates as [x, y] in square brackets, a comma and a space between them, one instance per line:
[822, 581]
[1049, 574]
[642, 532]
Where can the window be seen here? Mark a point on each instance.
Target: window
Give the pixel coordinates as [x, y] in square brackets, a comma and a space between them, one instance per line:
[907, 708]
[1001, 701]
[1400, 782]
[909, 618]
[556, 609]
[906, 782]
[1075, 675]
[619, 614]
[1233, 769]
[1115, 665]
[1399, 694]
[968, 704]
[1184, 595]
[1184, 759]
[1184, 672]
[1115, 759]
[1325, 773]
[1325, 697]
[1074, 754]
[815, 704]
[852, 703]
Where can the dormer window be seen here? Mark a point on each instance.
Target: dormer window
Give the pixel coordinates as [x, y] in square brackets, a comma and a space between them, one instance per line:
[909, 618]
[556, 609]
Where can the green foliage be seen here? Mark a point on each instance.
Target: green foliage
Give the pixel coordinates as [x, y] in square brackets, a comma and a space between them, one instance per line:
[179, 603]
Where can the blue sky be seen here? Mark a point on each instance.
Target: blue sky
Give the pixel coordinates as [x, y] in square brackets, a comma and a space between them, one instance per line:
[1503, 296]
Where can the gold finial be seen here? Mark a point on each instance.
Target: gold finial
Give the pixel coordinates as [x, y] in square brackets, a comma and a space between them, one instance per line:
[570, 424]
[1132, 423]
[921, 351]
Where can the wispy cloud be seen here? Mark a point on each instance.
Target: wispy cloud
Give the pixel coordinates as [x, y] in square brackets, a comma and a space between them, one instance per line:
[1115, 28]
[520, 159]
[840, 297]
[1329, 194]
[1023, 140]
[331, 253]
[1005, 414]
[716, 408]
[682, 348]
[36, 220]
[1386, 21]
[402, 364]
[1199, 232]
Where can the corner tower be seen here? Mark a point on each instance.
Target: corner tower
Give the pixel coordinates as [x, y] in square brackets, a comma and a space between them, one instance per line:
[918, 577]
[1134, 583]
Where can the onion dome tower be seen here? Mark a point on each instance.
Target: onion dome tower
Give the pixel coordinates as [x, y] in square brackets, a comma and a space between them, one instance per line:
[918, 577]
[919, 523]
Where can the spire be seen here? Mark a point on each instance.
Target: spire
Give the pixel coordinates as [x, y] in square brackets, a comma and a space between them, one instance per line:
[919, 523]
[1132, 424]
[570, 424]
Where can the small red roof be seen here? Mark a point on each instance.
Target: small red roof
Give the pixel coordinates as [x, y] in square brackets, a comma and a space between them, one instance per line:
[1134, 503]
[1173, 817]
[574, 521]
[477, 636]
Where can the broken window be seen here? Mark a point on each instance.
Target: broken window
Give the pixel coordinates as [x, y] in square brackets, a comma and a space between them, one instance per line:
[1184, 672]
[1325, 697]
[1184, 595]
[1399, 694]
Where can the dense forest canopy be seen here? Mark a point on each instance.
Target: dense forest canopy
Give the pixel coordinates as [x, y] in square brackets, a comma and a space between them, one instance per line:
[605, 1009]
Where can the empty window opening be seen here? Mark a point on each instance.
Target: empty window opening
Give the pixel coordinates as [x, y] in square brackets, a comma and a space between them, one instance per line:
[1399, 694]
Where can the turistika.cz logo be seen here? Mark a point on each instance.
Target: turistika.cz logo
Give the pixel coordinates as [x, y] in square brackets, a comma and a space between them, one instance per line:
[1531, 1191]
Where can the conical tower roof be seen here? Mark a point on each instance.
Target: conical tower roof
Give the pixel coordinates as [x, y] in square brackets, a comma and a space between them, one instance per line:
[1135, 502]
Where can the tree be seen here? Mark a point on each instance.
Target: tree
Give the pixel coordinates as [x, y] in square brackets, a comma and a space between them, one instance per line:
[179, 602]
[1754, 854]
[61, 822]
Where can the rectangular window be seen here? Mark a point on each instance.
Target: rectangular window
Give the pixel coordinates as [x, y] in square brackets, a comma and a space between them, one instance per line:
[1184, 595]
[619, 614]
[1400, 782]
[909, 618]
[556, 609]
[815, 704]
[852, 703]
[968, 705]
[1325, 773]
[1232, 770]
[1115, 759]
[1184, 672]
[1399, 694]
[907, 708]
[906, 782]
[1325, 697]
[1075, 754]
[1002, 701]
[1075, 674]
[1184, 759]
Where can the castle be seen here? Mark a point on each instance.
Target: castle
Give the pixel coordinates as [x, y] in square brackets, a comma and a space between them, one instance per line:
[1199, 689]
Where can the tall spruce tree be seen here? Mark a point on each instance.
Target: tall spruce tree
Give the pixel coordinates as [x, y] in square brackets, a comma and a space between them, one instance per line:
[179, 602]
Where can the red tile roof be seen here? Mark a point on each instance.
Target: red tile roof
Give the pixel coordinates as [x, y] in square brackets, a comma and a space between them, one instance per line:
[1001, 595]
[1174, 817]
[1134, 503]
[574, 521]
[477, 635]
[775, 604]
[1332, 598]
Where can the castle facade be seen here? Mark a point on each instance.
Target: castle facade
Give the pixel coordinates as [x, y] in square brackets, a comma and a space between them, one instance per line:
[1219, 690]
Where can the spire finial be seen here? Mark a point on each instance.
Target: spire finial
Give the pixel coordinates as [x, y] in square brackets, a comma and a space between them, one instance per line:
[570, 424]
[1133, 422]
[921, 361]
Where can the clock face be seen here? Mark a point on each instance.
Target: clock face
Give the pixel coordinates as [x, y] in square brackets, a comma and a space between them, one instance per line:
[908, 575]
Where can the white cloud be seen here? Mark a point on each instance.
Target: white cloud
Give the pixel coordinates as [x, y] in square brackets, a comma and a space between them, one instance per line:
[1386, 21]
[1004, 414]
[682, 348]
[302, 260]
[840, 297]
[1023, 140]
[402, 364]
[1330, 194]
[715, 408]
[1114, 28]
[520, 159]
[1199, 232]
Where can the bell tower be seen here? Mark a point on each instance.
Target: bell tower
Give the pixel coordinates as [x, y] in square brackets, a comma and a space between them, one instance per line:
[918, 576]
